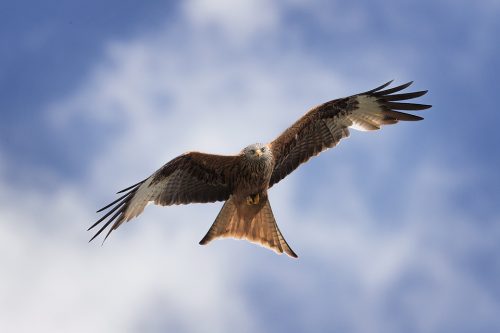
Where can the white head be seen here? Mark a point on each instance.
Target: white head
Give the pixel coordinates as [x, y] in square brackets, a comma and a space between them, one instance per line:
[257, 151]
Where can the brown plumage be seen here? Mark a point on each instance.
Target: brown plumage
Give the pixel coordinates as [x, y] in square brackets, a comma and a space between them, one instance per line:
[242, 180]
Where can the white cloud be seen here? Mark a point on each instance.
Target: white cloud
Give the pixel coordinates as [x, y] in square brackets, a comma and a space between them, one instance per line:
[238, 20]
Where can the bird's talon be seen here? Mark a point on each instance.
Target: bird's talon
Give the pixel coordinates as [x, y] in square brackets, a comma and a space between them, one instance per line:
[256, 199]
[253, 200]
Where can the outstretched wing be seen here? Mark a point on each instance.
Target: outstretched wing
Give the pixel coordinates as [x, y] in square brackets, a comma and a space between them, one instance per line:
[325, 125]
[188, 178]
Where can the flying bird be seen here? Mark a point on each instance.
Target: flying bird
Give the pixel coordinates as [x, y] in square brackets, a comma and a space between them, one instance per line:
[243, 180]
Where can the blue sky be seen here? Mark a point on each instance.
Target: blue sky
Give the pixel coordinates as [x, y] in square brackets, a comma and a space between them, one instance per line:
[396, 230]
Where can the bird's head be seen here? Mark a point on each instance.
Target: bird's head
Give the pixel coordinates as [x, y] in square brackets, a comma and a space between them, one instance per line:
[257, 151]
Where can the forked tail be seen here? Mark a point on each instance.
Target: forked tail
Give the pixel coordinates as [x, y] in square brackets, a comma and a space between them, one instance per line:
[254, 223]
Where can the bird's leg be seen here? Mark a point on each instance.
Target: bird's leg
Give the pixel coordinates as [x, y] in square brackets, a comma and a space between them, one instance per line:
[253, 199]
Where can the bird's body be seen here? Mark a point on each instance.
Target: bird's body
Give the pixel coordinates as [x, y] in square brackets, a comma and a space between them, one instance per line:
[256, 167]
[243, 180]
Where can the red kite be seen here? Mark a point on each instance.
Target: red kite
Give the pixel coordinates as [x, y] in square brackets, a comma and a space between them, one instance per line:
[243, 180]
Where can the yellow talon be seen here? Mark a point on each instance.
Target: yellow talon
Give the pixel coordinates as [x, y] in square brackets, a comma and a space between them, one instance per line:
[256, 199]
[253, 200]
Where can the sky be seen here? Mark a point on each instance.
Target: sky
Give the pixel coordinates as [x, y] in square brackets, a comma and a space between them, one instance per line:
[397, 230]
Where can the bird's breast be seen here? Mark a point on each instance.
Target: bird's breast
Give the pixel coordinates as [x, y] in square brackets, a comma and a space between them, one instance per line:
[253, 178]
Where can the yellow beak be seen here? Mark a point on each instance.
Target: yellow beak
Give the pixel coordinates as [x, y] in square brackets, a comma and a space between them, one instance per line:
[258, 152]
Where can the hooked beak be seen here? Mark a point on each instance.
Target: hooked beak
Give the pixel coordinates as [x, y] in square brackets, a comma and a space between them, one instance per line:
[258, 152]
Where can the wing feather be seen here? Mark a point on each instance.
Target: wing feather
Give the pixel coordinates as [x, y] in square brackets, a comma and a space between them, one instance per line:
[325, 125]
[189, 178]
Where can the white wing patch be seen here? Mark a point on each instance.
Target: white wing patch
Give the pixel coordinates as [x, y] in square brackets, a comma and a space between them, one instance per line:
[368, 115]
[146, 193]
[141, 198]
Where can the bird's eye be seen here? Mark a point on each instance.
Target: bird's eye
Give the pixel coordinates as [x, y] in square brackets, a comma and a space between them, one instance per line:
[263, 149]
[252, 151]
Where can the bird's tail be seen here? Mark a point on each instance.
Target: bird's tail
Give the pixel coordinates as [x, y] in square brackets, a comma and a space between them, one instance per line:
[254, 223]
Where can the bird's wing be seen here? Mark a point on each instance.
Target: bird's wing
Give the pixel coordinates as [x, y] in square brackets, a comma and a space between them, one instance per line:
[325, 125]
[189, 178]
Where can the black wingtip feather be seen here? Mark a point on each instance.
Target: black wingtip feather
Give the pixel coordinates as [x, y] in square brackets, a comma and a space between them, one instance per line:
[407, 106]
[120, 204]
[392, 90]
[107, 235]
[106, 224]
[397, 116]
[111, 204]
[379, 87]
[405, 96]
[131, 187]
[391, 102]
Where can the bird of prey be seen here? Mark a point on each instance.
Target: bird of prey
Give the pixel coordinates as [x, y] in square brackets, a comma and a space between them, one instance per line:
[243, 180]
